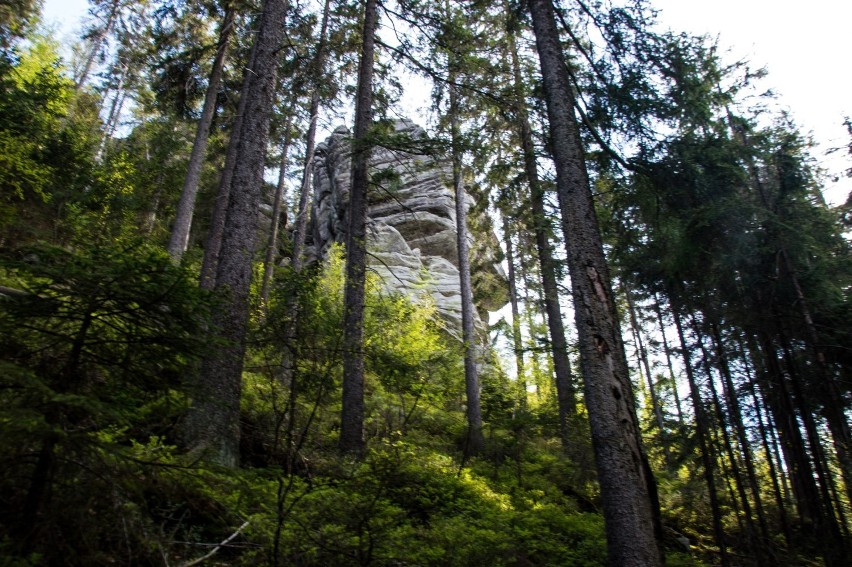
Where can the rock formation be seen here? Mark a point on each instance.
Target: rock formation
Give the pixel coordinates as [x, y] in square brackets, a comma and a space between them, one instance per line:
[411, 224]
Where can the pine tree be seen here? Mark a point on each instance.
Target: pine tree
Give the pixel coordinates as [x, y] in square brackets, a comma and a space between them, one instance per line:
[352, 415]
[212, 425]
[627, 485]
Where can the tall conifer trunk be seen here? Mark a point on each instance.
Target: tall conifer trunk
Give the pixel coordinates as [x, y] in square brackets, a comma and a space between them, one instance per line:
[565, 389]
[213, 242]
[300, 226]
[186, 206]
[352, 414]
[277, 223]
[628, 490]
[213, 424]
[475, 439]
[702, 428]
[517, 339]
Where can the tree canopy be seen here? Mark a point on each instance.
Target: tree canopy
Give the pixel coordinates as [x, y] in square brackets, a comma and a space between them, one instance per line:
[193, 370]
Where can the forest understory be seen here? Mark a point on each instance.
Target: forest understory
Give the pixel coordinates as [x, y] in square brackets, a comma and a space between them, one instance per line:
[201, 365]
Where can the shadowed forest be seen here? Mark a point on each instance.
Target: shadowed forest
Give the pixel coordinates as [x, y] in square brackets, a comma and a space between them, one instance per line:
[233, 332]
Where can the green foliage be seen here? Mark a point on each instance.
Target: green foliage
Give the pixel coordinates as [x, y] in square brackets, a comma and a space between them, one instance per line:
[406, 505]
[93, 347]
[47, 135]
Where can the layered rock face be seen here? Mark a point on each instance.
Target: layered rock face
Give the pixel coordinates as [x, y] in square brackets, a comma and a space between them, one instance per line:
[411, 224]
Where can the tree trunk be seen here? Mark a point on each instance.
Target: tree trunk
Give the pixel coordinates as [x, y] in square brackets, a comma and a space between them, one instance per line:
[352, 414]
[565, 389]
[475, 440]
[97, 42]
[833, 404]
[213, 423]
[643, 358]
[213, 242]
[701, 428]
[668, 352]
[272, 242]
[628, 489]
[186, 206]
[517, 339]
[774, 471]
[300, 226]
[735, 411]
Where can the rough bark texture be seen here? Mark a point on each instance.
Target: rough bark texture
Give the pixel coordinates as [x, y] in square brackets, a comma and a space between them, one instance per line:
[186, 206]
[628, 491]
[213, 423]
[352, 414]
[213, 243]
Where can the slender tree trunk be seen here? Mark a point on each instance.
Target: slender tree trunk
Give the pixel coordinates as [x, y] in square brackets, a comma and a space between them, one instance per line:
[834, 406]
[213, 242]
[475, 439]
[774, 471]
[792, 444]
[272, 242]
[733, 457]
[352, 415]
[517, 339]
[213, 424]
[300, 226]
[186, 206]
[668, 352]
[97, 43]
[735, 411]
[701, 428]
[628, 489]
[115, 108]
[643, 357]
[828, 527]
[565, 389]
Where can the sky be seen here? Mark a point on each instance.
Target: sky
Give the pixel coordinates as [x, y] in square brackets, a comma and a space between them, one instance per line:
[804, 46]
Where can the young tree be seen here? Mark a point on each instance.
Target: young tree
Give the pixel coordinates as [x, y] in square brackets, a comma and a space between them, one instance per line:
[627, 485]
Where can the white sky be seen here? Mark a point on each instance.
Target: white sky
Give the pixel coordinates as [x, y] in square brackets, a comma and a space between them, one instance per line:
[805, 47]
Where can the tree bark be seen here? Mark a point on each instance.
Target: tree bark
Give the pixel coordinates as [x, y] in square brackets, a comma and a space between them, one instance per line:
[213, 242]
[213, 423]
[272, 241]
[475, 439]
[300, 226]
[186, 206]
[352, 414]
[517, 339]
[565, 389]
[628, 490]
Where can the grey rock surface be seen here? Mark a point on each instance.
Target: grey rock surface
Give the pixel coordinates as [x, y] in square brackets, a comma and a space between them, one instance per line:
[411, 224]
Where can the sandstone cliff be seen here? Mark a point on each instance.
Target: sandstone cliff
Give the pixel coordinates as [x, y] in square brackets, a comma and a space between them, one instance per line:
[411, 225]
